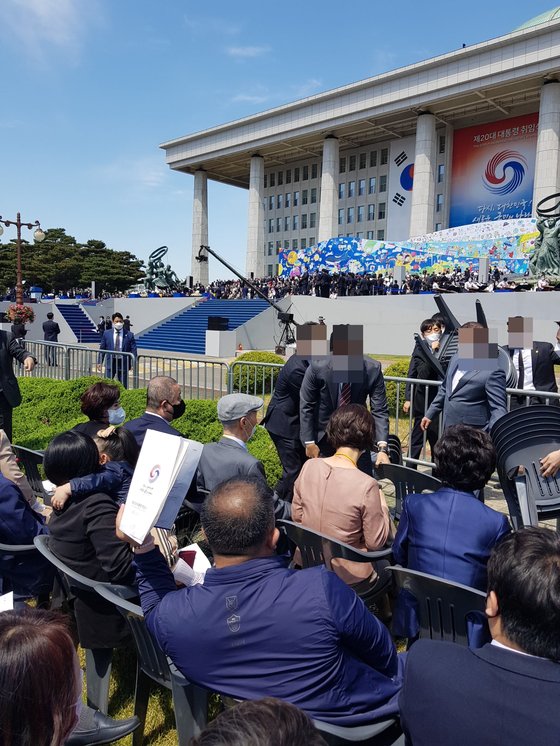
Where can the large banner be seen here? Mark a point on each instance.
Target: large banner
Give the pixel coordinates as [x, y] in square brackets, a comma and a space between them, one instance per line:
[401, 177]
[493, 170]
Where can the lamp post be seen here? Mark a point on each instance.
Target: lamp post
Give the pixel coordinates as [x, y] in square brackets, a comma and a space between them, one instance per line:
[38, 235]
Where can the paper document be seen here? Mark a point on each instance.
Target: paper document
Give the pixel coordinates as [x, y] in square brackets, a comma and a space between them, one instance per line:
[165, 469]
[7, 602]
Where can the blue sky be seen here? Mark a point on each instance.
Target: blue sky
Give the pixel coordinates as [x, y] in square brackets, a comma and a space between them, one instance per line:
[90, 88]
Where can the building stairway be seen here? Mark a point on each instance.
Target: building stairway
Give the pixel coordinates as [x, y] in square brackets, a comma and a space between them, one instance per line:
[80, 323]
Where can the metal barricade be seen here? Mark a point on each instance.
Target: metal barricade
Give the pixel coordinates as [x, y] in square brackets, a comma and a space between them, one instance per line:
[50, 357]
[257, 379]
[198, 379]
[88, 361]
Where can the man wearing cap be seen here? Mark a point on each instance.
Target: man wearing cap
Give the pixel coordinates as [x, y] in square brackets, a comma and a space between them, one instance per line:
[229, 457]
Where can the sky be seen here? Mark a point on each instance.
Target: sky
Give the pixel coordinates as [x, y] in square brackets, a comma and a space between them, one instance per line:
[91, 88]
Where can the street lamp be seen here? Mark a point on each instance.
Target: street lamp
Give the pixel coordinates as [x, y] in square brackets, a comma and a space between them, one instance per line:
[38, 235]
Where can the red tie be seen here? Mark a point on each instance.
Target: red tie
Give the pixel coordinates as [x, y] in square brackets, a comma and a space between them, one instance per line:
[345, 395]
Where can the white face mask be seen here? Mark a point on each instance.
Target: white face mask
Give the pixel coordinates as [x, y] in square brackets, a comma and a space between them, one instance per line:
[251, 433]
[118, 325]
[434, 337]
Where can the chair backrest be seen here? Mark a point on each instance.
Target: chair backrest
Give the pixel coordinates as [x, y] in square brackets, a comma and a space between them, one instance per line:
[443, 606]
[71, 579]
[394, 448]
[17, 548]
[407, 482]
[151, 659]
[30, 462]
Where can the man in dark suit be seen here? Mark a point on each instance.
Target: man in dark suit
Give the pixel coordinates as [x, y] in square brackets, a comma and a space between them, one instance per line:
[507, 691]
[164, 404]
[10, 395]
[533, 361]
[345, 377]
[473, 391]
[51, 330]
[117, 339]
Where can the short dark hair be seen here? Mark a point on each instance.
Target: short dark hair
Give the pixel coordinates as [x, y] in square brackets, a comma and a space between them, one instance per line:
[68, 455]
[237, 516]
[37, 659]
[98, 398]
[524, 573]
[352, 426]
[427, 324]
[50, 315]
[472, 325]
[264, 722]
[119, 444]
[465, 458]
[117, 315]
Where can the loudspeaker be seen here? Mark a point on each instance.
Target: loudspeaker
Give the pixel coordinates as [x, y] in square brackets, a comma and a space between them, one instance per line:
[217, 323]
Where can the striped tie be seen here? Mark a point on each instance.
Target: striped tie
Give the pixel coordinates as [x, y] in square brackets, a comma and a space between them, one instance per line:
[345, 395]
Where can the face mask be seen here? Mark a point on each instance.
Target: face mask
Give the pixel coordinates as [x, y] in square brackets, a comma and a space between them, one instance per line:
[179, 409]
[118, 325]
[435, 337]
[251, 433]
[116, 416]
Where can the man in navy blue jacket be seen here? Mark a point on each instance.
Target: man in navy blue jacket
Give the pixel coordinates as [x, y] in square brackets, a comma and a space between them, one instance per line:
[163, 405]
[117, 339]
[506, 692]
[257, 629]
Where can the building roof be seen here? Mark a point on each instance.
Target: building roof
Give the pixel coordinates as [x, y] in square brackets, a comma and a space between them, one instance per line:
[546, 17]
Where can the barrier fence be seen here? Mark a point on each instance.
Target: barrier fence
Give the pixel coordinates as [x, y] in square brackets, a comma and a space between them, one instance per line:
[204, 379]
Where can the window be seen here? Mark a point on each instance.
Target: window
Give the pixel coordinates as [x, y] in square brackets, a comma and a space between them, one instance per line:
[381, 211]
[382, 183]
[341, 188]
[278, 225]
[363, 160]
[381, 235]
[270, 270]
[314, 195]
[313, 170]
[311, 241]
[296, 173]
[361, 187]
[270, 247]
[369, 235]
[272, 180]
[439, 202]
[304, 220]
[352, 163]
[439, 226]
[384, 156]
[287, 244]
[442, 143]
[304, 197]
[280, 178]
[286, 223]
[271, 225]
[359, 234]
[341, 216]
[287, 199]
[312, 219]
[351, 188]
[278, 246]
[295, 222]
[279, 201]
[294, 244]
[288, 176]
[371, 212]
[296, 199]
[373, 159]
[342, 165]
[360, 214]
[265, 181]
[303, 243]
[271, 202]
[440, 173]
[371, 185]
[350, 215]
[305, 174]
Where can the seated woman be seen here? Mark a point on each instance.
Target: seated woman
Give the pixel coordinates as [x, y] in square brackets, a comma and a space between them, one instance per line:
[83, 536]
[449, 533]
[101, 403]
[333, 496]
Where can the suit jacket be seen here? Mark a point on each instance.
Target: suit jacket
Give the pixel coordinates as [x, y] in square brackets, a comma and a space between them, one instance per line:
[491, 696]
[10, 469]
[226, 459]
[108, 343]
[10, 349]
[319, 399]
[282, 415]
[51, 330]
[149, 421]
[419, 368]
[479, 398]
[543, 358]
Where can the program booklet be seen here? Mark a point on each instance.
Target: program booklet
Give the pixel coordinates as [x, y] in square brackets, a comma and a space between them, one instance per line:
[164, 472]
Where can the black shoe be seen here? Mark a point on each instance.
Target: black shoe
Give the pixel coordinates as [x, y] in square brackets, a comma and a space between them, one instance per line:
[101, 729]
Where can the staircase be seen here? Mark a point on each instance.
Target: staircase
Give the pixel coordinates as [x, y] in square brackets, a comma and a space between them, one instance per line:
[186, 332]
[79, 322]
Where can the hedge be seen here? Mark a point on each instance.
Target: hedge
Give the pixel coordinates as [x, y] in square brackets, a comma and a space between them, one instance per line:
[251, 379]
[399, 368]
[50, 407]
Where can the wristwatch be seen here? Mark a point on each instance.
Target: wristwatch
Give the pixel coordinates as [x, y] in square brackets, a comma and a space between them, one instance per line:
[382, 447]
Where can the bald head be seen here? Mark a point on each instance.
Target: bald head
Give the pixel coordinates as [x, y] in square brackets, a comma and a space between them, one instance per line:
[238, 517]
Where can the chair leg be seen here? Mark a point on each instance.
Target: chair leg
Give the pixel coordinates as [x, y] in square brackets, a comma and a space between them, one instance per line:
[98, 677]
[187, 706]
[141, 700]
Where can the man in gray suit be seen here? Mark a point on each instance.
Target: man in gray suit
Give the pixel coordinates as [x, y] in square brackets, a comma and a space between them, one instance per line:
[473, 391]
[229, 457]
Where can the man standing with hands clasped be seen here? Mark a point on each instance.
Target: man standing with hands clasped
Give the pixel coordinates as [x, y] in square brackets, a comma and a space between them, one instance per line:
[117, 339]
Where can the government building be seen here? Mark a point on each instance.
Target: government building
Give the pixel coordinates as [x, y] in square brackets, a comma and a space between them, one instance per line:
[466, 137]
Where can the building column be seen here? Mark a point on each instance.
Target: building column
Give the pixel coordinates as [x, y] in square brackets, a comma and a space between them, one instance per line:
[547, 161]
[255, 227]
[199, 270]
[423, 190]
[328, 208]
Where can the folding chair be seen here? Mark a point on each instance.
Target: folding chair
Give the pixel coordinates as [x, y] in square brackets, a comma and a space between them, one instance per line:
[30, 462]
[407, 482]
[190, 702]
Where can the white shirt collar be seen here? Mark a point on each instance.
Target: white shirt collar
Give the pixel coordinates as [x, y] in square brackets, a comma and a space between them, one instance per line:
[237, 440]
[513, 650]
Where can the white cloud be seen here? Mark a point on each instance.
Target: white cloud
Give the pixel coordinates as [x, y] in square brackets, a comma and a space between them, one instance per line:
[307, 88]
[249, 98]
[211, 26]
[246, 52]
[134, 173]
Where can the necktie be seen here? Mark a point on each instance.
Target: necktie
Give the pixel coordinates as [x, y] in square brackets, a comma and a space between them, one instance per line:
[345, 394]
[118, 342]
[521, 379]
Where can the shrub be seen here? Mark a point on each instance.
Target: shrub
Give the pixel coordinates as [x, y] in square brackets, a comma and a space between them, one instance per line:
[399, 368]
[254, 380]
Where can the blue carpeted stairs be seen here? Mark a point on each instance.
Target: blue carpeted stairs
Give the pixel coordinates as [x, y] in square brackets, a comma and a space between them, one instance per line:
[79, 322]
[186, 332]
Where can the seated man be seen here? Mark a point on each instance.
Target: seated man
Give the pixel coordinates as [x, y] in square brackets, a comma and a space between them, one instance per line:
[507, 691]
[164, 404]
[258, 629]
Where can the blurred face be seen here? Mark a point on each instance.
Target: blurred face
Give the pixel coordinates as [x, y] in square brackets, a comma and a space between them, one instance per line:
[520, 332]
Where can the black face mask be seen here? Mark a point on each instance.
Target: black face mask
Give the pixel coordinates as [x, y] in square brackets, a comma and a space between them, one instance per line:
[179, 409]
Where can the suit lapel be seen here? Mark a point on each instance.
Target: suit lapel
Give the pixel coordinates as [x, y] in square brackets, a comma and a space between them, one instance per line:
[333, 387]
[464, 379]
